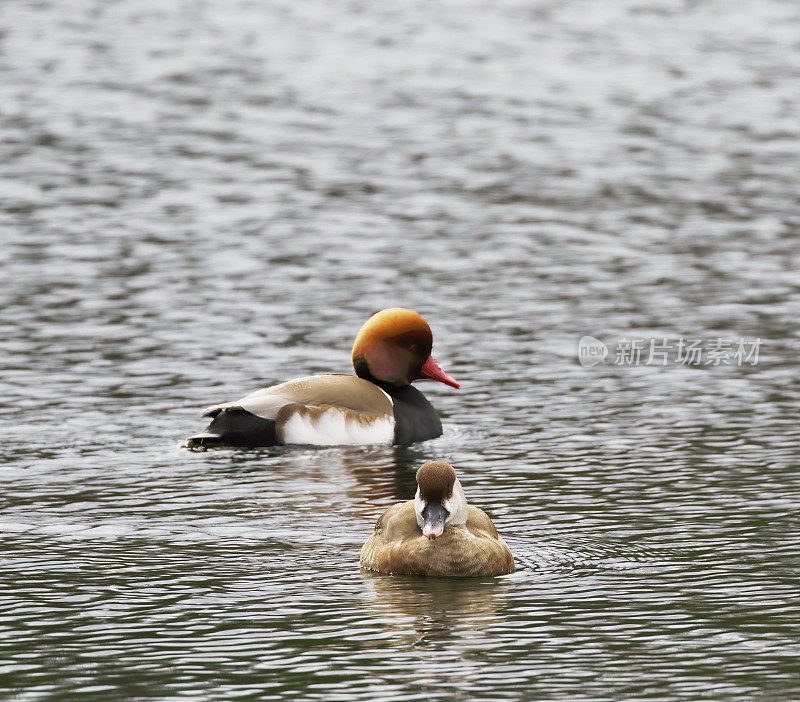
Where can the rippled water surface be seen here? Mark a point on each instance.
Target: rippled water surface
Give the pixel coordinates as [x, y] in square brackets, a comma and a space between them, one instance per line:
[199, 199]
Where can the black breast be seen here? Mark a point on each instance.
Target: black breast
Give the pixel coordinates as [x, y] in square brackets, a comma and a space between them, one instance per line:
[414, 417]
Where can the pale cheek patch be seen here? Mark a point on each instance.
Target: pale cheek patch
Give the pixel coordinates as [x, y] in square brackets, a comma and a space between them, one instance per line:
[332, 428]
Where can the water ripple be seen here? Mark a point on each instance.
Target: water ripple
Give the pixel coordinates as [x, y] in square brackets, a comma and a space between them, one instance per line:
[196, 204]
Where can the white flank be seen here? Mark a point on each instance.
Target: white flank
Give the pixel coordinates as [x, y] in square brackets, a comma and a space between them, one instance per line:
[333, 429]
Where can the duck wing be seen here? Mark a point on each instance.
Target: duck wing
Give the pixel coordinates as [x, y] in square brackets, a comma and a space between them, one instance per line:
[322, 410]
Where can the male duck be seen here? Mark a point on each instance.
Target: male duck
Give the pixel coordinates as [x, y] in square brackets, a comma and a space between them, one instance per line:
[377, 405]
[437, 533]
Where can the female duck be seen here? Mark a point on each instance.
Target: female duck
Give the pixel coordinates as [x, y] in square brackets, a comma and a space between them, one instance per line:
[377, 405]
[436, 533]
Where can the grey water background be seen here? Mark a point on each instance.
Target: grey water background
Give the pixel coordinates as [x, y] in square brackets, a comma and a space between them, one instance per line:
[200, 199]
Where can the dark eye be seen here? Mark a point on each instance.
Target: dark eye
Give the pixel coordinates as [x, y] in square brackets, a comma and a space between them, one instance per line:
[414, 348]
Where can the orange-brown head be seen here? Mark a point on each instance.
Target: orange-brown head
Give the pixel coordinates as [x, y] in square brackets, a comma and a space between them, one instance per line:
[394, 346]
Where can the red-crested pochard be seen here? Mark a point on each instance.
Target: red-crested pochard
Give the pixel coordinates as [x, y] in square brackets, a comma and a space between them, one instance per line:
[377, 405]
[437, 533]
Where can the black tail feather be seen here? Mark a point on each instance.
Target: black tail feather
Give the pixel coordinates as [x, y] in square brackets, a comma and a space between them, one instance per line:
[235, 426]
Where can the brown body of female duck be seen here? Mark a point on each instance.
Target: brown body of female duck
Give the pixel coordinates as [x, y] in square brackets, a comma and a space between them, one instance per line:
[437, 533]
[377, 405]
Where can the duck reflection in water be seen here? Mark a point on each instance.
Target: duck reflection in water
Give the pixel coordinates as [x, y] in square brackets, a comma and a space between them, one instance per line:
[383, 473]
[441, 609]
